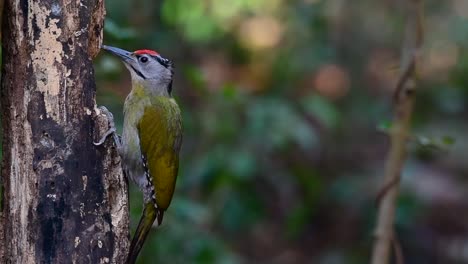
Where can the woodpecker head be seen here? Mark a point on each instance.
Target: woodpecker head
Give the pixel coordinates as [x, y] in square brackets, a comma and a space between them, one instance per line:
[147, 68]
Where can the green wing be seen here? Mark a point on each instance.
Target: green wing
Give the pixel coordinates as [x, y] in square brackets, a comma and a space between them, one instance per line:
[160, 134]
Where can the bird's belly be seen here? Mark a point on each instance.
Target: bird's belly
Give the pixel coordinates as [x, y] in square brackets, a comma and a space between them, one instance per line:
[131, 155]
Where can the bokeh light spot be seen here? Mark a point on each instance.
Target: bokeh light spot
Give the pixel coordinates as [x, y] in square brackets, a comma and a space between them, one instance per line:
[260, 32]
[441, 58]
[332, 81]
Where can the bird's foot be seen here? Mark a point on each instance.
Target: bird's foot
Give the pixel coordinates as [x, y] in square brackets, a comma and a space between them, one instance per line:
[111, 131]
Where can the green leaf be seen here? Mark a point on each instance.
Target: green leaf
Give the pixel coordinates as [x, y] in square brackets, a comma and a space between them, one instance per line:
[322, 109]
[385, 126]
[448, 140]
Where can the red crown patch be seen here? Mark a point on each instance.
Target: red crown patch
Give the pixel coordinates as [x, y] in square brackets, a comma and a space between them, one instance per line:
[146, 51]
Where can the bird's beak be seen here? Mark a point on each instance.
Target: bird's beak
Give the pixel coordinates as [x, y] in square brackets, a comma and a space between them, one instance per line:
[123, 54]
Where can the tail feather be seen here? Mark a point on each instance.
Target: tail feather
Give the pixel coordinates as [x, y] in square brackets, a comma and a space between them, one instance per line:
[150, 213]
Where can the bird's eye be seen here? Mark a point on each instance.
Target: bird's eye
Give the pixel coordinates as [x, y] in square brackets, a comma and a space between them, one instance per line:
[143, 59]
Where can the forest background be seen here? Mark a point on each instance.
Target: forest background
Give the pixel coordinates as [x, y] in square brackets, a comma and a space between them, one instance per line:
[286, 108]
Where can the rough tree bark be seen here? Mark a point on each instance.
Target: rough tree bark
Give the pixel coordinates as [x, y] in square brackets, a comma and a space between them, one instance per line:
[64, 200]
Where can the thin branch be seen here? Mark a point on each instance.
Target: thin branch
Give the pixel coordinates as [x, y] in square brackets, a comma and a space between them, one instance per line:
[399, 134]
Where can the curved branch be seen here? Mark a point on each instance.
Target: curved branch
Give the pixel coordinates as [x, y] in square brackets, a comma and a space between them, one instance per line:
[399, 134]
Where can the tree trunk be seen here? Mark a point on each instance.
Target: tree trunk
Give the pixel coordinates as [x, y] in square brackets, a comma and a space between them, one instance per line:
[64, 200]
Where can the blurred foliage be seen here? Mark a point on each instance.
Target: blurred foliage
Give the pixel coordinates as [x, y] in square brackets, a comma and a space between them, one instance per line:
[286, 107]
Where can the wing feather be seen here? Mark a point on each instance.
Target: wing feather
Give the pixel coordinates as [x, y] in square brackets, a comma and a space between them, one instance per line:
[160, 135]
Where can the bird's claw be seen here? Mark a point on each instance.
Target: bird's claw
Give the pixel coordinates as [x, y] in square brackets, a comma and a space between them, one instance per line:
[111, 131]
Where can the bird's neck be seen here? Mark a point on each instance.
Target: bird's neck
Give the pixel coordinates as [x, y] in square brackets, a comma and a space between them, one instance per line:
[149, 90]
